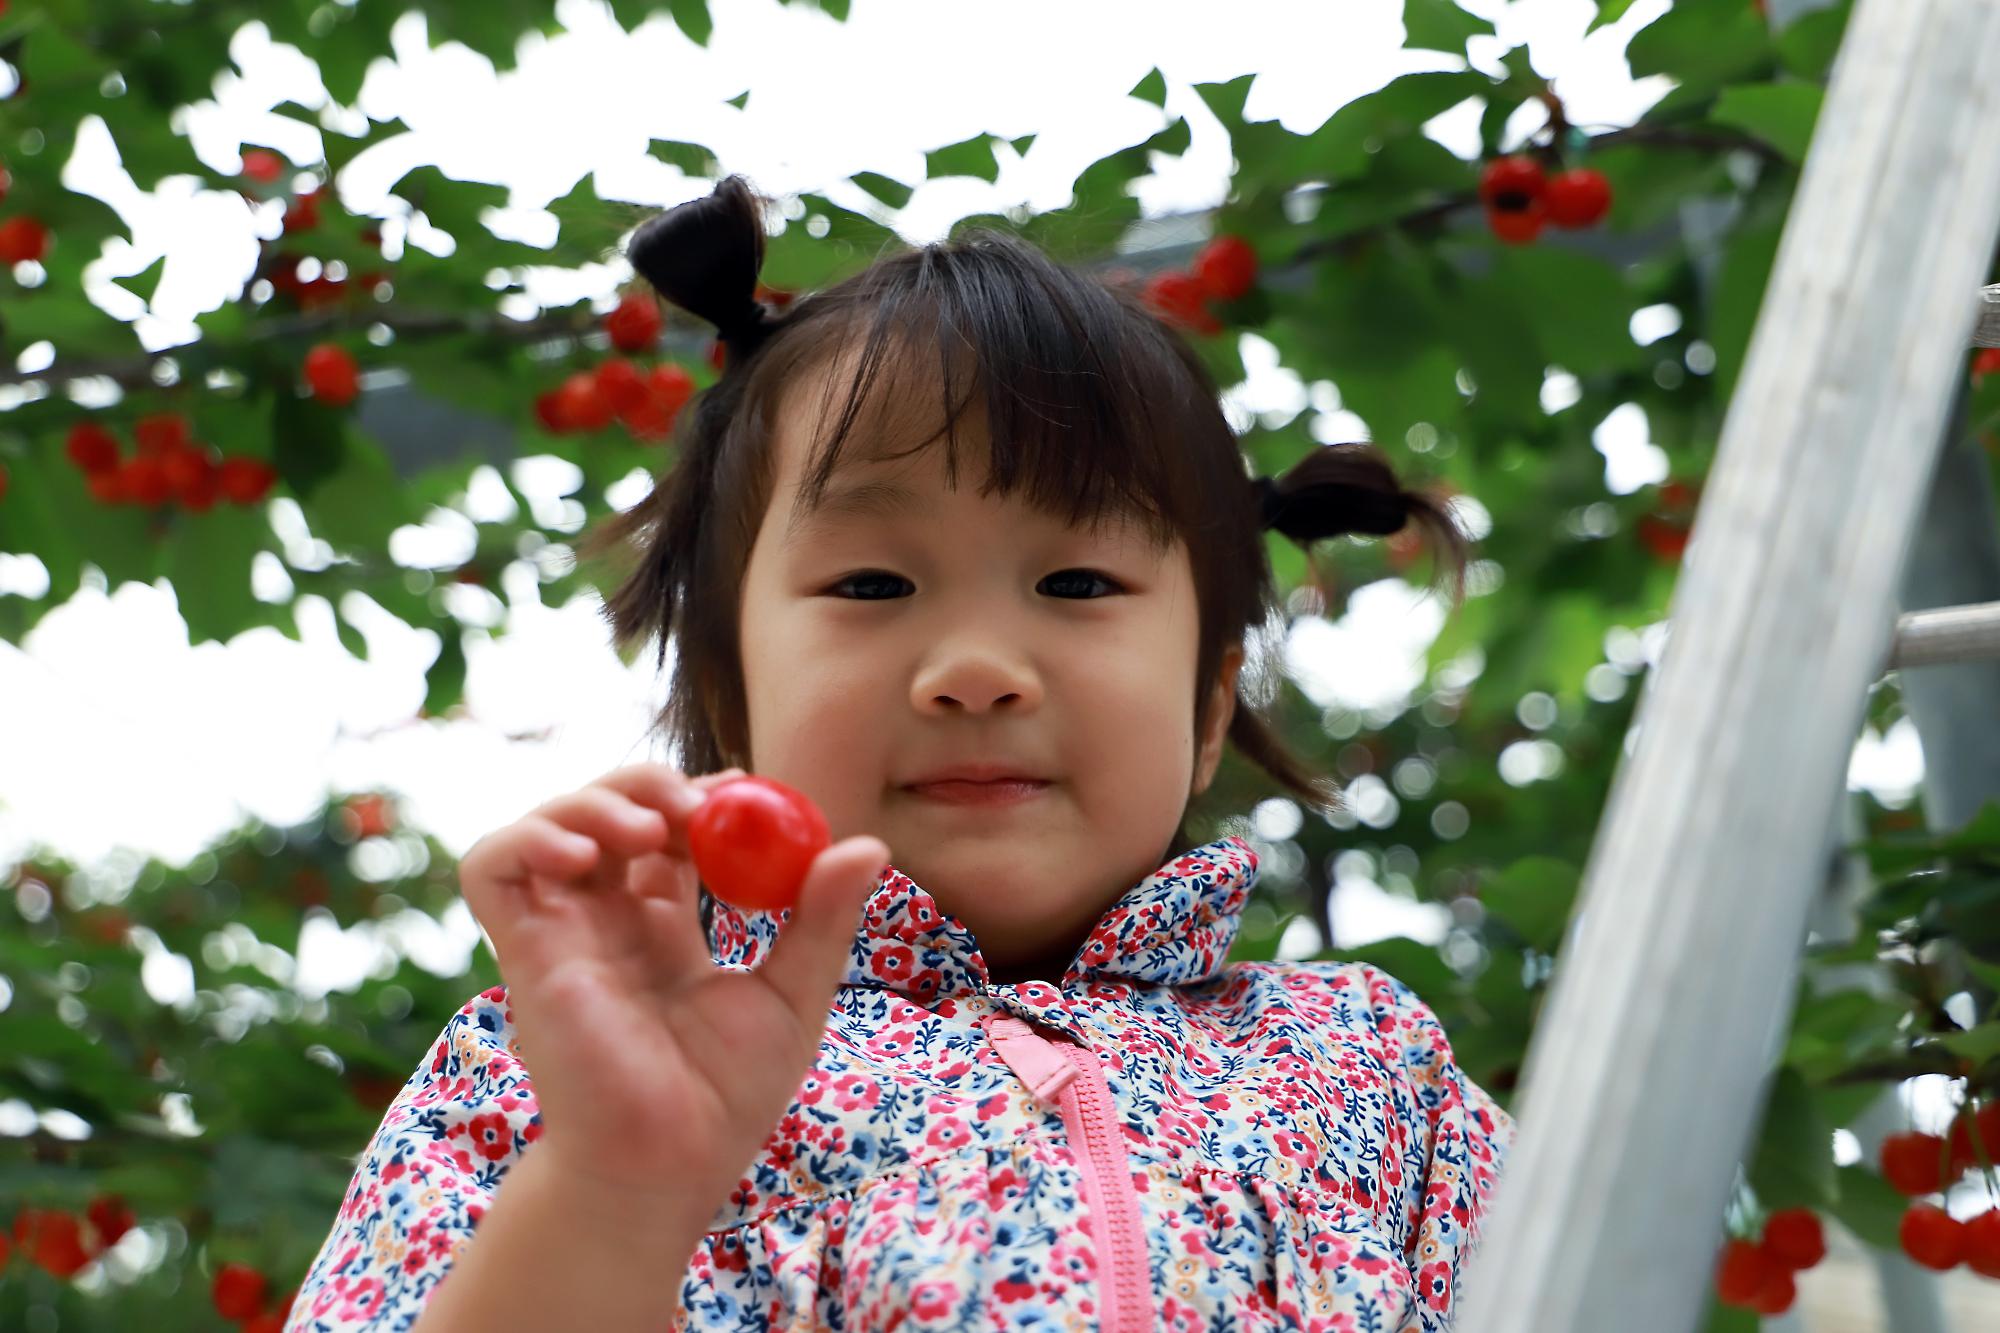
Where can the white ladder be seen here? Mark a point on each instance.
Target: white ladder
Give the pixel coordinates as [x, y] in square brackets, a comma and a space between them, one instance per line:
[1647, 1069]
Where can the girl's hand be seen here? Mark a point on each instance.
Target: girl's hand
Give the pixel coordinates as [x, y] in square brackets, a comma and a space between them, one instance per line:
[657, 1072]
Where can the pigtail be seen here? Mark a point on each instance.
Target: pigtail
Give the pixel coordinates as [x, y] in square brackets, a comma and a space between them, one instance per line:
[704, 256]
[1351, 488]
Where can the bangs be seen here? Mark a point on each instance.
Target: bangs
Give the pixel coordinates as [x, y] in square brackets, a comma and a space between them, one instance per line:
[1085, 402]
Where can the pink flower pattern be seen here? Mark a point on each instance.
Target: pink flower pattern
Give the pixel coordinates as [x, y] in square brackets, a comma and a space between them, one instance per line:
[1305, 1151]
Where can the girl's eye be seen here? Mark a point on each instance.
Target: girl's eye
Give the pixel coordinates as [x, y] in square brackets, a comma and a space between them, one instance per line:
[1062, 578]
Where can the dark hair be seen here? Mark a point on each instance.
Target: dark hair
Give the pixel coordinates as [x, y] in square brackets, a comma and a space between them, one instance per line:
[1094, 406]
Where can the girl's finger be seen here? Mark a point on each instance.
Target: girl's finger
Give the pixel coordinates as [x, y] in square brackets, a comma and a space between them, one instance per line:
[608, 818]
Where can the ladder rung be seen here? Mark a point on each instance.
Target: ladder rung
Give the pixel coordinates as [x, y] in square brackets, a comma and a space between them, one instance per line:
[1947, 634]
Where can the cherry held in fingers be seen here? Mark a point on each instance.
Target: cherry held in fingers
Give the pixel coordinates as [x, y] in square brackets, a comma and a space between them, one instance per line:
[753, 840]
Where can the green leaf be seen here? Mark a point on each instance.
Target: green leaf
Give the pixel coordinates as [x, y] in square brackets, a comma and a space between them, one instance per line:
[1534, 895]
[1792, 1164]
[308, 440]
[1978, 1044]
[1412, 962]
[891, 192]
[1808, 44]
[1738, 294]
[1152, 88]
[1869, 1206]
[1781, 114]
[1440, 25]
[692, 17]
[968, 157]
[692, 158]
[1608, 11]
[1703, 44]
[445, 677]
[359, 504]
[208, 562]
[1579, 306]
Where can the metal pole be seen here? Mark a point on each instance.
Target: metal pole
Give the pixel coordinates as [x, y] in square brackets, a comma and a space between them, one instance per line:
[1648, 1065]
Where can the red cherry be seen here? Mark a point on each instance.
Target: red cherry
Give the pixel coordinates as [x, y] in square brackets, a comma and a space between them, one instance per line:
[548, 411]
[1665, 539]
[369, 815]
[320, 291]
[302, 213]
[1913, 1163]
[52, 1240]
[1178, 299]
[1226, 268]
[1740, 1271]
[332, 374]
[668, 389]
[753, 839]
[622, 384]
[580, 405]
[1794, 1237]
[238, 1291]
[672, 385]
[1932, 1237]
[260, 164]
[109, 1215]
[1777, 1293]
[1982, 1243]
[635, 325]
[22, 239]
[1578, 198]
[91, 447]
[1677, 495]
[245, 481]
[108, 487]
[1508, 183]
[1518, 226]
[145, 479]
[191, 476]
[162, 433]
[1985, 363]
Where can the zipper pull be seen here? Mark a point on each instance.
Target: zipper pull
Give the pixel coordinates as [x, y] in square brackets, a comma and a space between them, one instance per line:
[1031, 1055]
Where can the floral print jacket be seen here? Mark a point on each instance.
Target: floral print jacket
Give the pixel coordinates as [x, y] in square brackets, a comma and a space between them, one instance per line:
[1160, 1142]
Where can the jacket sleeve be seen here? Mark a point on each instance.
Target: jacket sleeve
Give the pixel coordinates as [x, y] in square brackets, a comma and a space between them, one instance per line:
[1455, 1153]
[425, 1179]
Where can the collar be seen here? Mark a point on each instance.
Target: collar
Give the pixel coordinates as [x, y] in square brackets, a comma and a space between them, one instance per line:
[1173, 928]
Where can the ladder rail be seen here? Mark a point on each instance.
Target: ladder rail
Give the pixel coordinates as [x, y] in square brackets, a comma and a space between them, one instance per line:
[1649, 1061]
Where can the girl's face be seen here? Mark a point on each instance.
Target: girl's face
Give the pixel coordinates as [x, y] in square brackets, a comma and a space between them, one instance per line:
[879, 645]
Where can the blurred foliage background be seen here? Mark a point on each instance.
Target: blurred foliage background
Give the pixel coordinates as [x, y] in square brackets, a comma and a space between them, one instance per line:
[222, 1132]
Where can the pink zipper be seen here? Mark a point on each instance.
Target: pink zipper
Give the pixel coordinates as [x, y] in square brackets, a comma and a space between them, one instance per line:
[1065, 1074]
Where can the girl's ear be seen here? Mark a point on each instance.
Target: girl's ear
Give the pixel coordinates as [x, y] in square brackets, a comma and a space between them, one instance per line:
[1221, 712]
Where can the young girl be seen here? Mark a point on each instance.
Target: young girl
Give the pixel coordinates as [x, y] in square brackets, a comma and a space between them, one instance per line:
[1005, 1080]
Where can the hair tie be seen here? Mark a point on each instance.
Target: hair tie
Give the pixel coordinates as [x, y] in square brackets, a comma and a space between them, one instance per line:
[703, 255]
[1329, 509]
[1268, 502]
[747, 327]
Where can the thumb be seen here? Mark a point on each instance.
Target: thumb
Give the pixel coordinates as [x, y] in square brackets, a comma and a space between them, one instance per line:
[812, 949]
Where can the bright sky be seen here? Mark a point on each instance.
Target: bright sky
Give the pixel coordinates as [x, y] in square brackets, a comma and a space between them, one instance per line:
[121, 740]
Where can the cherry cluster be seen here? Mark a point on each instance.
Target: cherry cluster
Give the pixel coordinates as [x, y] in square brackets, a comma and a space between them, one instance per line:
[1918, 1165]
[1222, 270]
[647, 402]
[22, 237]
[63, 1244]
[1521, 198]
[168, 466]
[1758, 1274]
[1665, 531]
